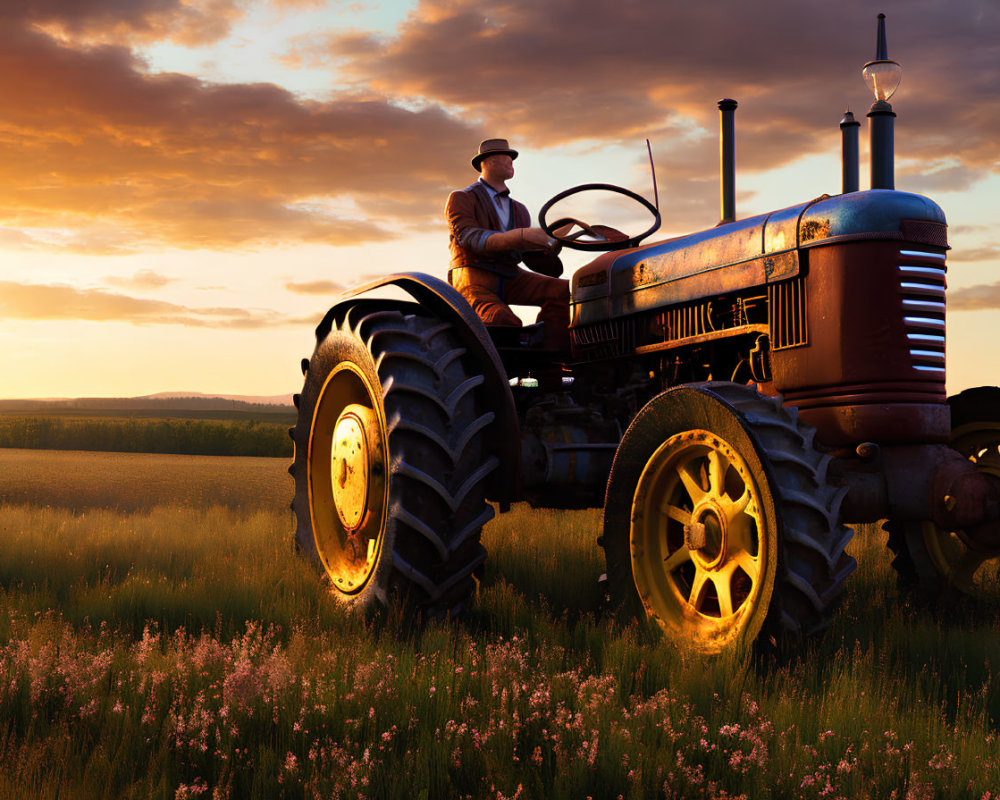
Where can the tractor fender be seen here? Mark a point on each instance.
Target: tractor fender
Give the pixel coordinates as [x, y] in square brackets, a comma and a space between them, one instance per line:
[503, 437]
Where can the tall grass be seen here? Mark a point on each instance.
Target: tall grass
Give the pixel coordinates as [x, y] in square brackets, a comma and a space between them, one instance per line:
[140, 481]
[188, 652]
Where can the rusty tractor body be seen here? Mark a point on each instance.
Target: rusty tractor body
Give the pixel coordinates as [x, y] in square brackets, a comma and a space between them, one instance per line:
[733, 399]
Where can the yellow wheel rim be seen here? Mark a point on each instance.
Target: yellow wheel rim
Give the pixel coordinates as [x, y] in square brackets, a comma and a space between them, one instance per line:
[703, 554]
[953, 554]
[348, 490]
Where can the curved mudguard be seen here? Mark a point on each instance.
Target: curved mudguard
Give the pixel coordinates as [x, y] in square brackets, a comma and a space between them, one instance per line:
[503, 437]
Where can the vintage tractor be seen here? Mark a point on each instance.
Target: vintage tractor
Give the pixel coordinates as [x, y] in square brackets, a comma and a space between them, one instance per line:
[732, 397]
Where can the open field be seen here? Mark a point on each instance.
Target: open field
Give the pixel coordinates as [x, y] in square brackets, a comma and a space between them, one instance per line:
[140, 481]
[183, 650]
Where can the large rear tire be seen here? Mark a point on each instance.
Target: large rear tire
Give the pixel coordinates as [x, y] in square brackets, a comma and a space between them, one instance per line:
[719, 523]
[389, 465]
[929, 561]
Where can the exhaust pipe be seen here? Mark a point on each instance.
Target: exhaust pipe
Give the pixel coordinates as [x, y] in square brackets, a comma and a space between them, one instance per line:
[850, 167]
[727, 159]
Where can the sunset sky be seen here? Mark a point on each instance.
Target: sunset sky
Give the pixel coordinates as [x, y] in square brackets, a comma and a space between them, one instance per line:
[186, 185]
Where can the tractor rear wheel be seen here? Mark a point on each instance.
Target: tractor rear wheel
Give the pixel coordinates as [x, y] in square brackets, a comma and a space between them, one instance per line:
[389, 465]
[719, 523]
[933, 561]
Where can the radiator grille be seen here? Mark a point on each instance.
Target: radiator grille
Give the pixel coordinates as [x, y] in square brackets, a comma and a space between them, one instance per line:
[786, 314]
[604, 339]
[684, 321]
[922, 300]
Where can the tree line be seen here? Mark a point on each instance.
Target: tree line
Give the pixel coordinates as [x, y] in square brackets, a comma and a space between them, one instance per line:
[143, 435]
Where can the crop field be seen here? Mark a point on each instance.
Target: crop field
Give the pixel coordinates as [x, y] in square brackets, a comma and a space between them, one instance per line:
[160, 639]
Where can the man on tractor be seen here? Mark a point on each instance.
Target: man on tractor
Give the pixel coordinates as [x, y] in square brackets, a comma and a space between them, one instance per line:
[490, 235]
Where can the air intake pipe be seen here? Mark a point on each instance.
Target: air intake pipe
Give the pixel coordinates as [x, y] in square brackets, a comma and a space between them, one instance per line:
[850, 167]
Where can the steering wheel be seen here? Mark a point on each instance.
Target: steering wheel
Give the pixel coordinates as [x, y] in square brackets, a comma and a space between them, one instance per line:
[603, 237]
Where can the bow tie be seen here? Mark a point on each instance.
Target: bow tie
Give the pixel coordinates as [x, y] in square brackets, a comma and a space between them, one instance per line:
[504, 193]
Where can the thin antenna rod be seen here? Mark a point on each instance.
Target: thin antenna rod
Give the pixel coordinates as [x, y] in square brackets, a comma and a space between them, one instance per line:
[652, 169]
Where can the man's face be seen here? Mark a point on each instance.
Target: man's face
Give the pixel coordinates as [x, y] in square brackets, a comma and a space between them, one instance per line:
[498, 167]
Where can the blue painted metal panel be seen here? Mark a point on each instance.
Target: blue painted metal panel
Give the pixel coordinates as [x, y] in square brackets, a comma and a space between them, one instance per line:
[757, 250]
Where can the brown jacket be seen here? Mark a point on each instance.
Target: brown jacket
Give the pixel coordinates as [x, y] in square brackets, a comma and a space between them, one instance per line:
[472, 217]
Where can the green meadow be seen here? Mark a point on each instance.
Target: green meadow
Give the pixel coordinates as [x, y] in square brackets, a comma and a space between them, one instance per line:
[159, 638]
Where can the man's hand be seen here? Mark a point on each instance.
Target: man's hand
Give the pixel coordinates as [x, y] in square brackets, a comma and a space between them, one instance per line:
[538, 238]
[521, 239]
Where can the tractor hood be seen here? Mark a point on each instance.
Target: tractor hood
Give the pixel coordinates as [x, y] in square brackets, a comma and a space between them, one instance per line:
[748, 252]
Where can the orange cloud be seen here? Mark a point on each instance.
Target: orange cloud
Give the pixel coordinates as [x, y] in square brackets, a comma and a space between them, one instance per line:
[186, 22]
[974, 298]
[315, 287]
[143, 279]
[571, 70]
[99, 155]
[29, 301]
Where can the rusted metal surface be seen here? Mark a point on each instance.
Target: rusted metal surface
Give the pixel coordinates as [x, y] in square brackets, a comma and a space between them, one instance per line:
[921, 482]
[757, 250]
[878, 213]
[873, 368]
[840, 424]
[742, 330]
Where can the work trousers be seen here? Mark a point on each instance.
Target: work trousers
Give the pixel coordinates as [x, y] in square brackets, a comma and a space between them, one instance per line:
[489, 295]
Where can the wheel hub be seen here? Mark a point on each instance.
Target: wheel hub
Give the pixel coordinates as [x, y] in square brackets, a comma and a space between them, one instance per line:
[706, 536]
[349, 468]
[699, 560]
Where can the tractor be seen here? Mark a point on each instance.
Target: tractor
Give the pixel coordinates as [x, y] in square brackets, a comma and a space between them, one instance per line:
[734, 398]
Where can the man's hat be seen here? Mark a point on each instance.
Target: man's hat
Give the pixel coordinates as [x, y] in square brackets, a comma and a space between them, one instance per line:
[492, 147]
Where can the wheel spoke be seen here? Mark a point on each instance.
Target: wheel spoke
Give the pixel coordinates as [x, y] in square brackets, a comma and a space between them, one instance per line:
[676, 558]
[697, 589]
[749, 564]
[723, 592]
[675, 513]
[692, 484]
[716, 471]
[734, 508]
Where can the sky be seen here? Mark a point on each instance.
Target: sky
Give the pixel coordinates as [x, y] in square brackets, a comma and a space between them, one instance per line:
[187, 185]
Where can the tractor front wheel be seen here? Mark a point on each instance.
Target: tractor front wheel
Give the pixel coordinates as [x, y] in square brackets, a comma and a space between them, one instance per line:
[719, 523]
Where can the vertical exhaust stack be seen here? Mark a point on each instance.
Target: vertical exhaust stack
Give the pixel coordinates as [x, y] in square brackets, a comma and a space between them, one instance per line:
[727, 159]
[850, 161]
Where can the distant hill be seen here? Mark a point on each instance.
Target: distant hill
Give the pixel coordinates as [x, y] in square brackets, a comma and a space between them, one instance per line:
[173, 401]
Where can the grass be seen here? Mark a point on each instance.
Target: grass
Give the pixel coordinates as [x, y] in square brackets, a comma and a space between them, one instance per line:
[185, 651]
[140, 481]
